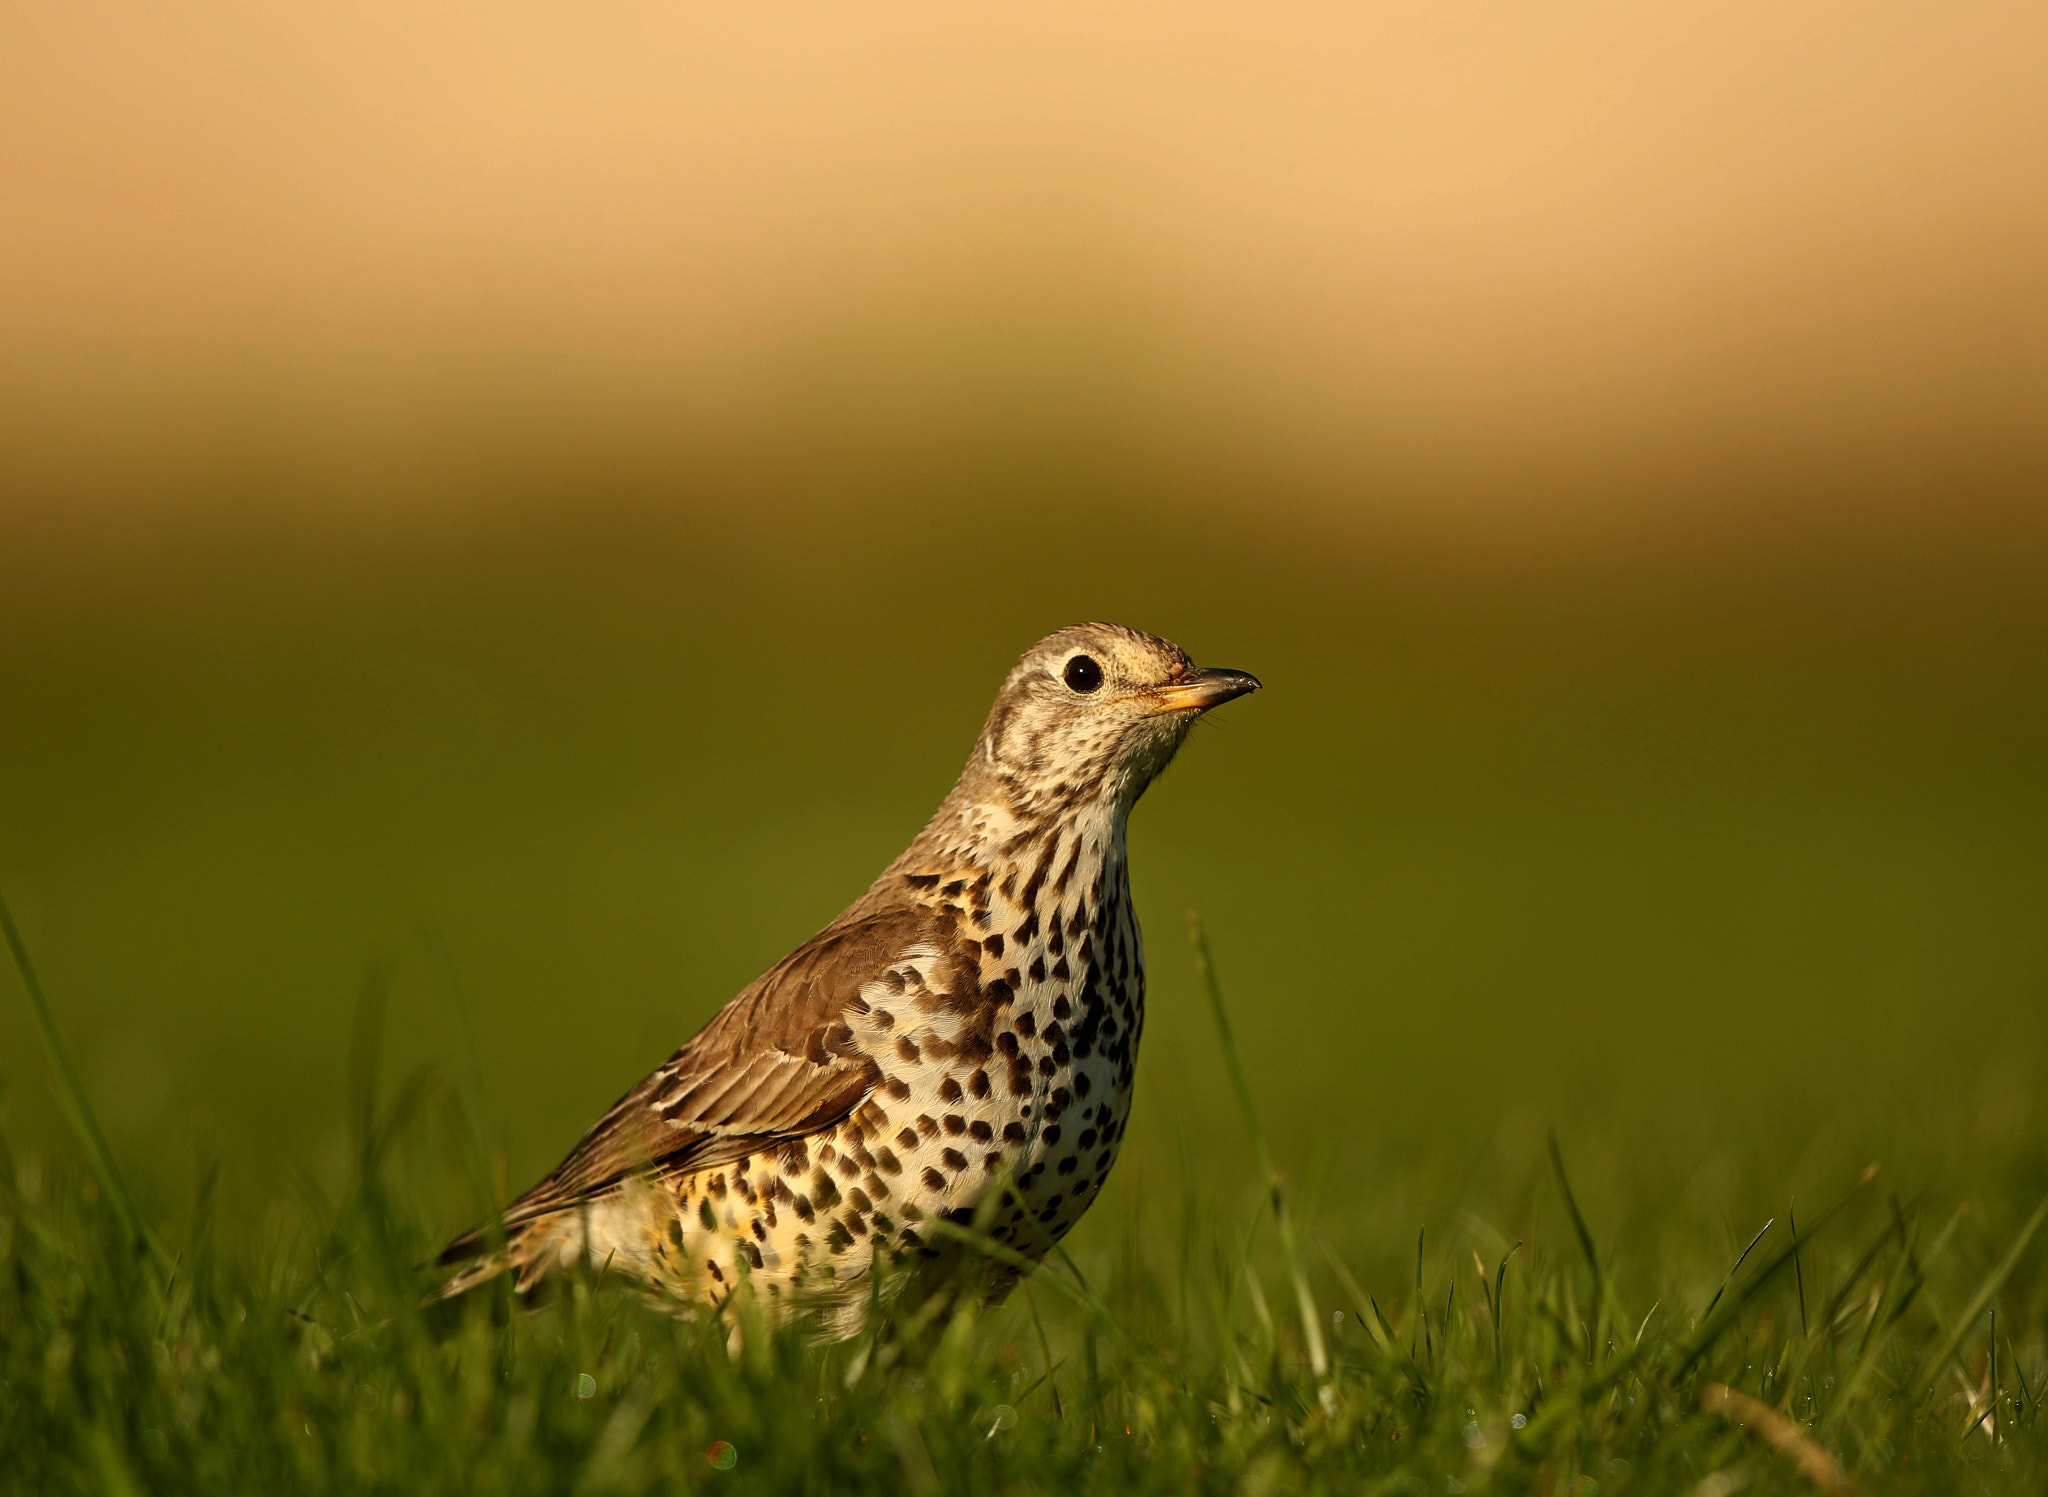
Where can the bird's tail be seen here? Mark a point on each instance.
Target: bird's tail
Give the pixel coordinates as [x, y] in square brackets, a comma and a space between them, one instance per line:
[484, 1253]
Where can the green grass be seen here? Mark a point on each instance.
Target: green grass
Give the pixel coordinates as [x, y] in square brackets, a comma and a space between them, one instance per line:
[1883, 1350]
[364, 870]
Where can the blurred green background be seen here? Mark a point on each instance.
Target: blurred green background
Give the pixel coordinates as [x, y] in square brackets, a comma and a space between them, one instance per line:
[1733, 870]
[563, 490]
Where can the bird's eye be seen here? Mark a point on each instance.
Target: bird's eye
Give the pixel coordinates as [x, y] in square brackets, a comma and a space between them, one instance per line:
[1083, 674]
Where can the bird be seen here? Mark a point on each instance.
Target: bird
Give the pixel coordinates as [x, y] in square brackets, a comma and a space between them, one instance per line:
[954, 1054]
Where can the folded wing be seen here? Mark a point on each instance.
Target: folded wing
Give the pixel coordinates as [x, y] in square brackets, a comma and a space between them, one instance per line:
[779, 1062]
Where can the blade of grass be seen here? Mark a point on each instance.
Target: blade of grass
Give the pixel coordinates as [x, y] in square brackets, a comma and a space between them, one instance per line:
[1978, 1301]
[2012, 1360]
[1585, 1236]
[1059, 1409]
[71, 1099]
[1798, 1273]
[1500, 1284]
[1374, 1322]
[1729, 1278]
[1712, 1327]
[1833, 1308]
[1874, 1340]
[1311, 1324]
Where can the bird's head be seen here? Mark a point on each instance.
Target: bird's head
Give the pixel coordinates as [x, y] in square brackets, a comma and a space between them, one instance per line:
[1094, 713]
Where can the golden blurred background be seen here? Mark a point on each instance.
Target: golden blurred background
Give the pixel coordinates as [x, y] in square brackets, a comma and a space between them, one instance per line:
[1502, 261]
[569, 480]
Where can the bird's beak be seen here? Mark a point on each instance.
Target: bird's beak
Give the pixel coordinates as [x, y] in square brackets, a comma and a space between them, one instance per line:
[1200, 690]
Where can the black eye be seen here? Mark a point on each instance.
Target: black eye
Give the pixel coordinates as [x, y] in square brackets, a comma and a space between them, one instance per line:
[1083, 674]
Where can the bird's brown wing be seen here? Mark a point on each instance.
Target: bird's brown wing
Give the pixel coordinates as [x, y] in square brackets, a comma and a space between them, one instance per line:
[778, 1062]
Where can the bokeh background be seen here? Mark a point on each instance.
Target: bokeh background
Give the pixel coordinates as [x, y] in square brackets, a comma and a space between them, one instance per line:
[538, 500]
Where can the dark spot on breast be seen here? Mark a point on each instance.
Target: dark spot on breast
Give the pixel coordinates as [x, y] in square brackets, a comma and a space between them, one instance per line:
[753, 1254]
[1082, 1083]
[1007, 1043]
[1061, 971]
[858, 1199]
[1027, 1024]
[927, 1127]
[886, 1159]
[1045, 1065]
[675, 1230]
[1038, 874]
[896, 1087]
[711, 1267]
[933, 1180]
[907, 1141]
[707, 1216]
[1061, 1009]
[716, 1185]
[1038, 969]
[1000, 992]
[1020, 1080]
[907, 1048]
[1060, 1054]
[1087, 1139]
[978, 1083]
[1067, 1165]
[953, 1160]
[855, 1225]
[993, 945]
[955, 1124]
[981, 1130]
[883, 1019]
[949, 1090]
[954, 888]
[1027, 929]
[921, 880]
[1013, 1131]
[838, 1239]
[1052, 1133]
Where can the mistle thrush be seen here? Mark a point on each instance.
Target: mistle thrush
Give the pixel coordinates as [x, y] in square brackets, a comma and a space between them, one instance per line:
[968, 1025]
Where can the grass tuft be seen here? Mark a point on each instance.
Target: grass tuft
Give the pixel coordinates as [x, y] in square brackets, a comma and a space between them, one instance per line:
[302, 1359]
